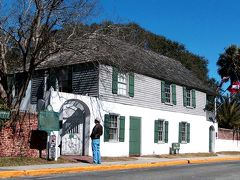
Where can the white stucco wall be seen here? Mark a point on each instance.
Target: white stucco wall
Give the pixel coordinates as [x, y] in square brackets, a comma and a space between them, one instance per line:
[199, 131]
[227, 145]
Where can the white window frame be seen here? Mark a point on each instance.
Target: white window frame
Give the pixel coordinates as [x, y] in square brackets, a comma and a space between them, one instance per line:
[184, 133]
[163, 131]
[166, 92]
[122, 82]
[116, 139]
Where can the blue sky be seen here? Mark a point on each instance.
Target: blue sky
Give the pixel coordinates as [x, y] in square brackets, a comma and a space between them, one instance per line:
[205, 27]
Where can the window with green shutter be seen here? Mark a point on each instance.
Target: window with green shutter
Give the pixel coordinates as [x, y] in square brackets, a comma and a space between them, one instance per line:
[189, 97]
[114, 128]
[160, 131]
[184, 132]
[168, 93]
[122, 83]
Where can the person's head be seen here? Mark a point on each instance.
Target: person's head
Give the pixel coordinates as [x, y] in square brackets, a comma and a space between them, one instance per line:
[97, 120]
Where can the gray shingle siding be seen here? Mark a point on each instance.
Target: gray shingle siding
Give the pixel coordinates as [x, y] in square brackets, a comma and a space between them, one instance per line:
[85, 80]
[147, 94]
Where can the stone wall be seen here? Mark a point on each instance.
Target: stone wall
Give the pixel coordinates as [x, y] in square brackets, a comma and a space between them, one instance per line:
[21, 138]
[227, 134]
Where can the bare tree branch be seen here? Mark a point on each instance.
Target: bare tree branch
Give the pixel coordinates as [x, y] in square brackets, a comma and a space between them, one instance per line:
[30, 27]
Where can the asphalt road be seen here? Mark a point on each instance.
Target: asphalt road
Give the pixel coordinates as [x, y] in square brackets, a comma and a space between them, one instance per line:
[216, 171]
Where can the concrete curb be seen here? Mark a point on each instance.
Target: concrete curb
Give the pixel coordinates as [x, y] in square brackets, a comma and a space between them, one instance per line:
[39, 172]
[209, 160]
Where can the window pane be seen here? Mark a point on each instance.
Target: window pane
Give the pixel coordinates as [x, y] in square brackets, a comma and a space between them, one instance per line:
[184, 132]
[188, 97]
[113, 127]
[160, 131]
[167, 90]
[122, 84]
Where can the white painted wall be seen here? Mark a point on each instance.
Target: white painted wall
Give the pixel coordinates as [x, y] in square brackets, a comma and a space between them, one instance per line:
[199, 131]
[227, 145]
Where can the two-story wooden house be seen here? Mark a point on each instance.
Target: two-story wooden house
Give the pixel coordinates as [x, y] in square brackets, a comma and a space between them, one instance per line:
[146, 101]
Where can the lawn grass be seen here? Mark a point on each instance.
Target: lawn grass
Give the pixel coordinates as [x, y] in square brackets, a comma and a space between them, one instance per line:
[24, 161]
[186, 155]
[115, 159]
[229, 152]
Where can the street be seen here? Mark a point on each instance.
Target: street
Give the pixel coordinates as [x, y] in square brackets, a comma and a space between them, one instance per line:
[216, 171]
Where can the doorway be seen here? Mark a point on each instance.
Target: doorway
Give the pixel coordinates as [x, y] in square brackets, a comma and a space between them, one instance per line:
[135, 136]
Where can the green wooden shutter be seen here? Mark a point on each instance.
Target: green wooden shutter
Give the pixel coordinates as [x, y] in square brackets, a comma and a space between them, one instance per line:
[174, 101]
[188, 132]
[122, 129]
[179, 133]
[106, 127]
[131, 84]
[114, 80]
[193, 98]
[163, 91]
[156, 131]
[166, 132]
[184, 96]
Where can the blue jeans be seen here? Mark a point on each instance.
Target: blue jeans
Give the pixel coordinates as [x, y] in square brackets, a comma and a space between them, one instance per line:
[96, 151]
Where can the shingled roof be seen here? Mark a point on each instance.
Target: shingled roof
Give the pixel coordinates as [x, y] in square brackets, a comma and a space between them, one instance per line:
[128, 57]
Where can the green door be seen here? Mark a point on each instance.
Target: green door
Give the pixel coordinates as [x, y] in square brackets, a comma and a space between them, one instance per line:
[135, 136]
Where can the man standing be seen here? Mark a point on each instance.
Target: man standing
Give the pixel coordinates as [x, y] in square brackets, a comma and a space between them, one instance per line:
[95, 136]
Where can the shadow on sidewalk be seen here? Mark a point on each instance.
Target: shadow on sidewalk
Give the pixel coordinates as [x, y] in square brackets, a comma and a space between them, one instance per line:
[83, 159]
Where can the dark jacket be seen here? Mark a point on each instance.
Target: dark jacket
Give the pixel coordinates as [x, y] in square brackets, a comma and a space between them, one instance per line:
[97, 131]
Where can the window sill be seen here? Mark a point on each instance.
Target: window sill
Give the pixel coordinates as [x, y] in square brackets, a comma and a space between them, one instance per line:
[123, 96]
[189, 107]
[161, 142]
[113, 141]
[169, 104]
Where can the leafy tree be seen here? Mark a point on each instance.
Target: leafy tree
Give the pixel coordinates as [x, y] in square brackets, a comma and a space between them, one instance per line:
[228, 112]
[229, 63]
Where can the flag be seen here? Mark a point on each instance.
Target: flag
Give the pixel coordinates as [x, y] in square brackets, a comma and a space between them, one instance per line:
[234, 87]
[224, 79]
